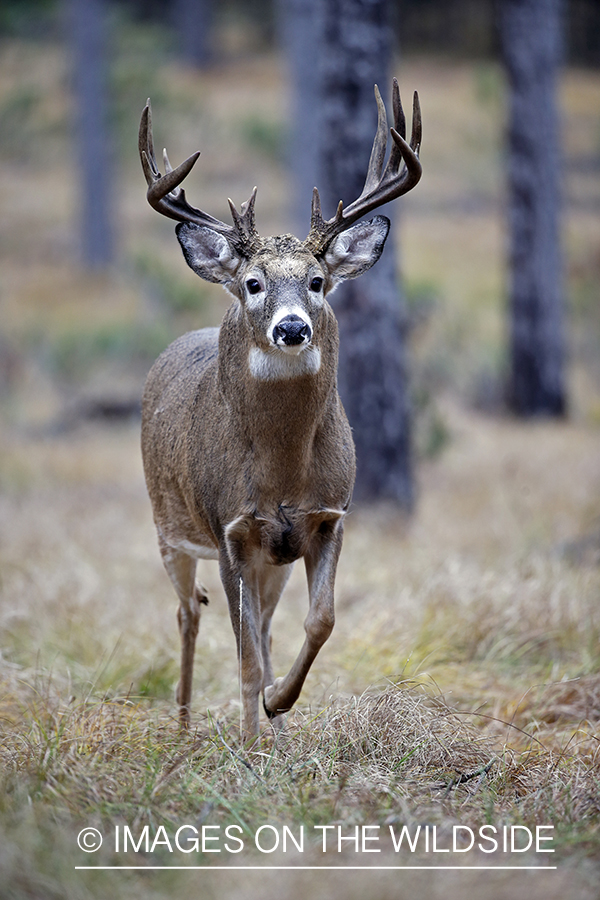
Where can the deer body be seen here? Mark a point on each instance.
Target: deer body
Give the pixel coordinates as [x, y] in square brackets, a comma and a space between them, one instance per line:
[247, 451]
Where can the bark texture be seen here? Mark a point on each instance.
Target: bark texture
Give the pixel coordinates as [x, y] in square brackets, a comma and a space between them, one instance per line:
[373, 383]
[337, 51]
[194, 24]
[87, 25]
[531, 42]
[297, 24]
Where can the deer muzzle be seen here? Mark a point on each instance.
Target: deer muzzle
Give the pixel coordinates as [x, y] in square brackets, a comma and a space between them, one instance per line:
[292, 332]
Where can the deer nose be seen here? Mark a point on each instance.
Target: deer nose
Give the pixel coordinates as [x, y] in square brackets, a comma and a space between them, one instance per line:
[292, 331]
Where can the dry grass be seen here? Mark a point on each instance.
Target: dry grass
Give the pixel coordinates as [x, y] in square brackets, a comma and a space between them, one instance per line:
[461, 684]
[463, 638]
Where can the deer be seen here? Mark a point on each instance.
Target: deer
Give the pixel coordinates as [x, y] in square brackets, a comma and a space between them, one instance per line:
[247, 452]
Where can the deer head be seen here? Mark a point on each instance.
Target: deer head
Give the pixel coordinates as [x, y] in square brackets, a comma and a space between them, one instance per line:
[282, 282]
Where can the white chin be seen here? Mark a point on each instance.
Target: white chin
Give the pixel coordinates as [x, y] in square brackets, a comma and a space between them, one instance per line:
[279, 363]
[291, 349]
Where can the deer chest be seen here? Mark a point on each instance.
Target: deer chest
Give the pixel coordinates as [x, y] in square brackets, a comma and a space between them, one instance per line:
[280, 538]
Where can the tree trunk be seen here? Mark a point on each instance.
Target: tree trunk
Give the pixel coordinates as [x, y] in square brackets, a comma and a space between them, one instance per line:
[297, 23]
[337, 51]
[531, 42]
[87, 32]
[194, 24]
[373, 383]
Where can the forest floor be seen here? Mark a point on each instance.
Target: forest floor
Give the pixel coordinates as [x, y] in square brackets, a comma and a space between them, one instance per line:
[461, 686]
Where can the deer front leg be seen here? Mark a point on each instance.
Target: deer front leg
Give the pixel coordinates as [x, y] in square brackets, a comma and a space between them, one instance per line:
[241, 587]
[321, 563]
[273, 580]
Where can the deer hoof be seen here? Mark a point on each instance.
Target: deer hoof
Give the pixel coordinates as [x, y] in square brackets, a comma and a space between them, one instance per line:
[268, 694]
[270, 713]
[184, 718]
[269, 700]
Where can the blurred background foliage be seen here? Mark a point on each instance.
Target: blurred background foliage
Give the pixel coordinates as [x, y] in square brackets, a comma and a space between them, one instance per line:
[459, 28]
[68, 333]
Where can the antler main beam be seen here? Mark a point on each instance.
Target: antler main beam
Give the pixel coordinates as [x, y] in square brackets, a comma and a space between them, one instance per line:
[167, 197]
[401, 174]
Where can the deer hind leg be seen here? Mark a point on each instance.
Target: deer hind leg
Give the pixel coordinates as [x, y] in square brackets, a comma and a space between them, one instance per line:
[181, 569]
[321, 563]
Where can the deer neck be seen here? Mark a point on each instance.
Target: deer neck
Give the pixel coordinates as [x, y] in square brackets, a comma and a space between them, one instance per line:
[278, 419]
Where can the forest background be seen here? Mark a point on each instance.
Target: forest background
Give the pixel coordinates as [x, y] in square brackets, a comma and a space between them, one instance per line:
[462, 681]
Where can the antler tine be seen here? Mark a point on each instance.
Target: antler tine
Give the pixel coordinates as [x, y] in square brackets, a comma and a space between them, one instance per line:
[399, 117]
[167, 197]
[146, 145]
[316, 214]
[244, 219]
[400, 126]
[166, 184]
[407, 152]
[377, 157]
[380, 188]
[417, 125]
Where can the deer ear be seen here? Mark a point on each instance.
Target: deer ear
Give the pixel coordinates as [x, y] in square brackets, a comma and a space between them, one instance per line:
[207, 252]
[356, 250]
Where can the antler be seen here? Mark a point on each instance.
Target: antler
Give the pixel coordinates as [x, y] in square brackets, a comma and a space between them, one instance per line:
[165, 195]
[381, 185]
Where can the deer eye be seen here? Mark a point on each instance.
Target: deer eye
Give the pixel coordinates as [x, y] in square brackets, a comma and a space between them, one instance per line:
[253, 286]
[316, 284]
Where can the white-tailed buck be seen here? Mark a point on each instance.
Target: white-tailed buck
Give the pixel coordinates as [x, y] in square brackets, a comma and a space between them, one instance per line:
[248, 454]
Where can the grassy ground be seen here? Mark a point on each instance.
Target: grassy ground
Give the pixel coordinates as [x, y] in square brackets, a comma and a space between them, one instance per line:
[461, 685]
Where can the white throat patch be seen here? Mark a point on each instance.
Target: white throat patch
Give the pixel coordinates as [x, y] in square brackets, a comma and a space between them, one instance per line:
[277, 365]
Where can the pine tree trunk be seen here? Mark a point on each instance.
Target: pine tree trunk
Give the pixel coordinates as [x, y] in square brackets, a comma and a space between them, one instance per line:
[531, 33]
[373, 383]
[87, 32]
[194, 24]
[299, 35]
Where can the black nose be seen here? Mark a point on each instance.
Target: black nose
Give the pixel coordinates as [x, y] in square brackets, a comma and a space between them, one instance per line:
[292, 330]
